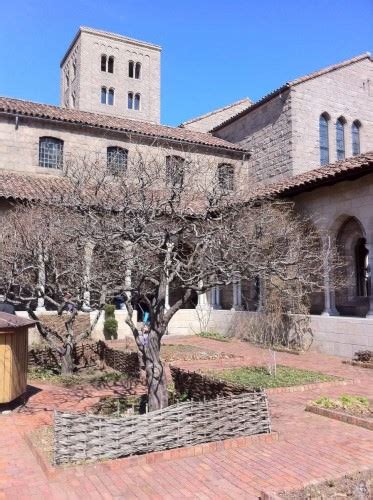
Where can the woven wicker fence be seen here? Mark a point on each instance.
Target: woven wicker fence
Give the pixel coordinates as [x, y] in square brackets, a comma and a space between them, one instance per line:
[87, 437]
[197, 386]
[85, 355]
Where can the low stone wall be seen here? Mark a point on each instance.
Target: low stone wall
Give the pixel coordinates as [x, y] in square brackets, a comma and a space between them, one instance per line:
[341, 336]
[81, 437]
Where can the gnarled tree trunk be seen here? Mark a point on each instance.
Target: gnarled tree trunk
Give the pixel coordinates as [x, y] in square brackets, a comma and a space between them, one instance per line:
[155, 373]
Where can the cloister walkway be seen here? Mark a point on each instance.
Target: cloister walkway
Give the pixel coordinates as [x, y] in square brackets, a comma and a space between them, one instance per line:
[309, 447]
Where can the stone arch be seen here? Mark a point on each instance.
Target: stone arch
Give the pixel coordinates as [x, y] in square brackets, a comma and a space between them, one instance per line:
[352, 298]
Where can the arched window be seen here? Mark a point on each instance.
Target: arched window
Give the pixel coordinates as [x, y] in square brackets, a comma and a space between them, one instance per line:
[50, 152]
[355, 131]
[103, 62]
[175, 170]
[324, 139]
[117, 159]
[340, 138]
[110, 66]
[130, 69]
[137, 102]
[130, 100]
[111, 97]
[103, 95]
[226, 177]
[138, 71]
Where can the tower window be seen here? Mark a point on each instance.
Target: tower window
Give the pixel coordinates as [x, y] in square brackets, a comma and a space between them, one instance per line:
[110, 66]
[103, 95]
[103, 62]
[74, 69]
[50, 152]
[340, 138]
[226, 177]
[130, 100]
[117, 159]
[174, 170]
[138, 71]
[111, 97]
[137, 102]
[324, 138]
[131, 69]
[67, 79]
[355, 131]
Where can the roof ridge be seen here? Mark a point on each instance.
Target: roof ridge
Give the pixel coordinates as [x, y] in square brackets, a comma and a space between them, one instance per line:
[123, 124]
[292, 83]
[217, 110]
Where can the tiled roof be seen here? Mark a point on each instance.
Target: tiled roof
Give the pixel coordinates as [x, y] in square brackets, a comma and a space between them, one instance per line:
[246, 101]
[293, 83]
[125, 125]
[32, 187]
[348, 169]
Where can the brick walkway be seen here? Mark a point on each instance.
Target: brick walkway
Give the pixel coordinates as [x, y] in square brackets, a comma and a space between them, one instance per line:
[310, 447]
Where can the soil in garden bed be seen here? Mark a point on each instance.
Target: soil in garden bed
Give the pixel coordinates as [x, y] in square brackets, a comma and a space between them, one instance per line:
[82, 377]
[358, 486]
[181, 352]
[258, 376]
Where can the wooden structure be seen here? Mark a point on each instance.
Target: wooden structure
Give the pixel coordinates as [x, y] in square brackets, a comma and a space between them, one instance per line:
[13, 356]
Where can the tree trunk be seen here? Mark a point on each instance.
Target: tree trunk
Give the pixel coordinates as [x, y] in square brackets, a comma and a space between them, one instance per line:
[67, 363]
[155, 373]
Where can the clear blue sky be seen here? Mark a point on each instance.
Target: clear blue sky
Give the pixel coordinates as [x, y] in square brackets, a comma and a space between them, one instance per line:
[214, 51]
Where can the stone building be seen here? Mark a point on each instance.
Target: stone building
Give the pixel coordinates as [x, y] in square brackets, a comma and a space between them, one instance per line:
[110, 108]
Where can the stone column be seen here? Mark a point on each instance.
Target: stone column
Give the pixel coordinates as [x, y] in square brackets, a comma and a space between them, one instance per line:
[329, 293]
[369, 246]
[88, 254]
[41, 283]
[215, 297]
[237, 296]
[203, 302]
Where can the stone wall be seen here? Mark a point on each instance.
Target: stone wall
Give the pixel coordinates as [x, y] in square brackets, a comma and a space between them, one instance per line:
[19, 148]
[89, 79]
[267, 132]
[345, 92]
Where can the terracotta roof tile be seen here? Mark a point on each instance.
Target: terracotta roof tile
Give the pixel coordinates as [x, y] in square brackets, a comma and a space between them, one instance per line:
[350, 168]
[56, 113]
[30, 187]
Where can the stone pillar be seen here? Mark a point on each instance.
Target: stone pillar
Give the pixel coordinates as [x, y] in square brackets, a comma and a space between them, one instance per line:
[215, 297]
[88, 254]
[369, 246]
[237, 296]
[203, 302]
[41, 283]
[329, 293]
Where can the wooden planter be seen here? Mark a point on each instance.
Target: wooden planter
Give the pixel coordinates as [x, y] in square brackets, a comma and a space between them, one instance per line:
[13, 356]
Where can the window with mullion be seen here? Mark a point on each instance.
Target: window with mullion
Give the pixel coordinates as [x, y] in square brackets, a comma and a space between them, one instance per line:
[117, 159]
[324, 140]
[50, 152]
[340, 139]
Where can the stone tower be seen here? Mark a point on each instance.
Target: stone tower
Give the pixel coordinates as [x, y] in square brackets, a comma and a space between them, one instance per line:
[106, 73]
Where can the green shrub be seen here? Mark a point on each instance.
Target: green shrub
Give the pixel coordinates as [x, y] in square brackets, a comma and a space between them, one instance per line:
[110, 324]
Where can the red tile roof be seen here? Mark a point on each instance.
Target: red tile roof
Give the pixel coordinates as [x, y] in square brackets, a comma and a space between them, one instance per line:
[343, 170]
[293, 83]
[32, 187]
[147, 129]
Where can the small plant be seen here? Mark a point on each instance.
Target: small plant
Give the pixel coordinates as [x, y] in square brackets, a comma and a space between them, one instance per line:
[346, 402]
[110, 324]
[213, 336]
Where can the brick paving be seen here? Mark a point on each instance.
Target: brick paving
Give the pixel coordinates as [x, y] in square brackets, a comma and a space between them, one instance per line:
[310, 447]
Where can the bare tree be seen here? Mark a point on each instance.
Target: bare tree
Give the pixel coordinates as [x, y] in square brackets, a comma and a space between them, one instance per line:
[179, 223]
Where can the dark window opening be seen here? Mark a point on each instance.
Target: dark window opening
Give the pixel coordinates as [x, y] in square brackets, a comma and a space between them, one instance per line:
[111, 64]
[103, 62]
[175, 170]
[324, 139]
[340, 139]
[226, 177]
[117, 159]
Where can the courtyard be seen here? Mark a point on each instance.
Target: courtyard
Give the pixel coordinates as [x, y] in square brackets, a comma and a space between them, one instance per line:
[302, 448]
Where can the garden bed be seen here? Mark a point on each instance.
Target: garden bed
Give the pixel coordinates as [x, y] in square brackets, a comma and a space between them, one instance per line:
[361, 364]
[82, 377]
[355, 486]
[355, 410]
[259, 377]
